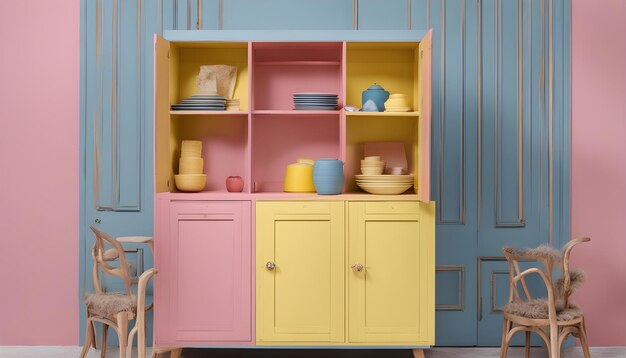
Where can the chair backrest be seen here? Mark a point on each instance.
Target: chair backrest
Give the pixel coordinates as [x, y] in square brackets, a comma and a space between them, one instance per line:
[102, 257]
[550, 258]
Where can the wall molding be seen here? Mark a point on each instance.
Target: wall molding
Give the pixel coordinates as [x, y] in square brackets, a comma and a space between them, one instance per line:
[460, 305]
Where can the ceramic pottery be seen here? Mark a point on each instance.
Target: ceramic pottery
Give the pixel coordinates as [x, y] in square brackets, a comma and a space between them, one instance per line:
[328, 176]
[377, 94]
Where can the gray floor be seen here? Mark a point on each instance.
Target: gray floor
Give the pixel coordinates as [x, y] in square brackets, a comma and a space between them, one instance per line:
[64, 352]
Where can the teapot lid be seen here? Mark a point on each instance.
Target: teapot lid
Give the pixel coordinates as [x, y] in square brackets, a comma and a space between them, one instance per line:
[375, 87]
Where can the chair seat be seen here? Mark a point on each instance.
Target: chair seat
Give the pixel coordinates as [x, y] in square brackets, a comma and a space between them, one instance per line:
[538, 309]
[110, 303]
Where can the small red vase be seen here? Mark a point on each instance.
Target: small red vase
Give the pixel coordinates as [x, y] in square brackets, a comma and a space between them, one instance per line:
[234, 184]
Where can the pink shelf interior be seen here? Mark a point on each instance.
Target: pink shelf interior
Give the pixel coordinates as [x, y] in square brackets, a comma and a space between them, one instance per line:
[297, 51]
[279, 140]
[224, 147]
[281, 69]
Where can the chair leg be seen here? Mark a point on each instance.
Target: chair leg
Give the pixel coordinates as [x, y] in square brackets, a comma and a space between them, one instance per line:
[122, 332]
[506, 327]
[176, 353]
[105, 333]
[527, 344]
[94, 337]
[141, 339]
[555, 350]
[88, 338]
[583, 339]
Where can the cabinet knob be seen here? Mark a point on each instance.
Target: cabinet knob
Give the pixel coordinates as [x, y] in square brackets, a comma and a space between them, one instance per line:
[270, 265]
[358, 267]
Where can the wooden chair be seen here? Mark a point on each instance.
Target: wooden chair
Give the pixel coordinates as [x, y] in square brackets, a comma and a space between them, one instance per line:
[116, 309]
[555, 314]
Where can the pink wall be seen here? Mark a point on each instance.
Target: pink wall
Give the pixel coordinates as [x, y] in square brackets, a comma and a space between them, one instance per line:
[599, 164]
[40, 57]
[39, 149]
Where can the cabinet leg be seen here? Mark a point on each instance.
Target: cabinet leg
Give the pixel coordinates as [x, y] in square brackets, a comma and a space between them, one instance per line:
[418, 353]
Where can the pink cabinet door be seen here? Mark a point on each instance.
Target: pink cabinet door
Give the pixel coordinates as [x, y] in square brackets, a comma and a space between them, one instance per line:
[210, 263]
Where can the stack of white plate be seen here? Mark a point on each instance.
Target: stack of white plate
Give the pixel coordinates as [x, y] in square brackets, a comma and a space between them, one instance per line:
[315, 101]
[201, 102]
[385, 184]
[232, 104]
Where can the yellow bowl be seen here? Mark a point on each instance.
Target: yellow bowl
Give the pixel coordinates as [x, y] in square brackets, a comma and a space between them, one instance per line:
[372, 163]
[371, 171]
[191, 148]
[190, 165]
[299, 178]
[190, 182]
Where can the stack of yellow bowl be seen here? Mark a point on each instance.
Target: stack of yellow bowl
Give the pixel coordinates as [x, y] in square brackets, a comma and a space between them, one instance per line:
[397, 102]
[190, 166]
[372, 165]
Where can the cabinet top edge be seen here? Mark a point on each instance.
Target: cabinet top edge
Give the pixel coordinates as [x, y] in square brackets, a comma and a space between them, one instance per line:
[224, 196]
[294, 35]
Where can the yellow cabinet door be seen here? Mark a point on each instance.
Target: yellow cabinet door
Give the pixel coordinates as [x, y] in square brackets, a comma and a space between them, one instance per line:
[299, 272]
[391, 272]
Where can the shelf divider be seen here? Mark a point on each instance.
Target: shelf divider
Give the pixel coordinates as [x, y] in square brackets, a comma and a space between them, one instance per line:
[384, 114]
[299, 63]
[296, 112]
[212, 113]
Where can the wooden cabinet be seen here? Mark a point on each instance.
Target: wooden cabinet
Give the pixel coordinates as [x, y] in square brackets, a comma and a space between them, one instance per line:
[308, 294]
[391, 281]
[209, 265]
[300, 261]
[389, 272]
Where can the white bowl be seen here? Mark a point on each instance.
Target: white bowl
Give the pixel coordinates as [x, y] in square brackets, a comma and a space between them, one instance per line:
[372, 158]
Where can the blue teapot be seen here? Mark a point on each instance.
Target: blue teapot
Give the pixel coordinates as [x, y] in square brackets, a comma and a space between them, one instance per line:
[374, 98]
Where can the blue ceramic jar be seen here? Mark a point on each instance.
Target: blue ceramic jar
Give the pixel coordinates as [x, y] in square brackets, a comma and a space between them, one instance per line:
[376, 94]
[328, 176]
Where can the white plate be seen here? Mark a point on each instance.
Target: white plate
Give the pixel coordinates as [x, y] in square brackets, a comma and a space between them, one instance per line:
[385, 190]
[384, 177]
[384, 182]
[386, 185]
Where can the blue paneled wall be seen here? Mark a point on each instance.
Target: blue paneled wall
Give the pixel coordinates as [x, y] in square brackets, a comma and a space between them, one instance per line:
[500, 125]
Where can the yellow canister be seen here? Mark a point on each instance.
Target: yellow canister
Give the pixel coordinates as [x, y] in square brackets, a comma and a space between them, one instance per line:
[299, 178]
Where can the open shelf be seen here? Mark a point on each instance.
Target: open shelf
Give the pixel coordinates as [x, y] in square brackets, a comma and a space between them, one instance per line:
[394, 66]
[284, 68]
[267, 134]
[364, 129]
[186, 59]
[279, 140]
[224, 148]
